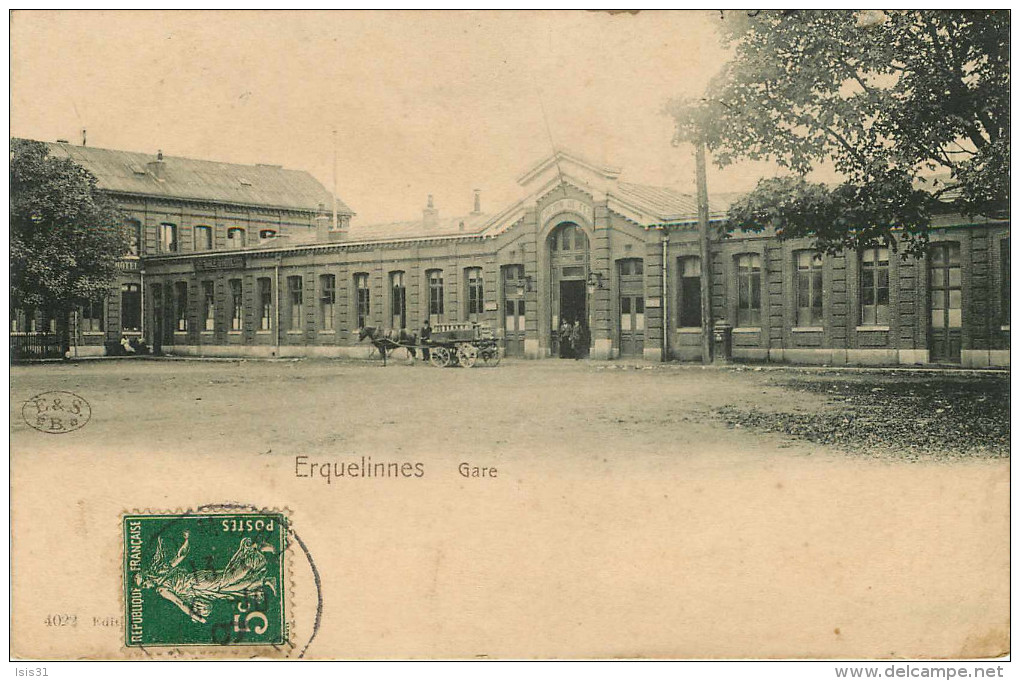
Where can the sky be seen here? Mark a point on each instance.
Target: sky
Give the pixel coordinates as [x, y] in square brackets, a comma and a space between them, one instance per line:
[422, 103]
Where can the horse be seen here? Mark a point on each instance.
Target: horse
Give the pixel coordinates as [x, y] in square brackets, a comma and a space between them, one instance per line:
[388, 339]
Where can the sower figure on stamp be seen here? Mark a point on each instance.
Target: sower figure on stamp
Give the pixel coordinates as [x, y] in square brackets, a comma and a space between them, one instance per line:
[195, 591]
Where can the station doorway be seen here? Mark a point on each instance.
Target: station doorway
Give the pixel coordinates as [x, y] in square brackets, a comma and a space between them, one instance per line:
[569, 267]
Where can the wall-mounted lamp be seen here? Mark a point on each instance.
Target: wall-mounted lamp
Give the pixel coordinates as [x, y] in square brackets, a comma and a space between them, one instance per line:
[595, 281]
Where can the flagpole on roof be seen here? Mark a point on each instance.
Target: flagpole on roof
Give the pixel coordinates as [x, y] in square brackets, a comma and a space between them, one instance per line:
[334, 179]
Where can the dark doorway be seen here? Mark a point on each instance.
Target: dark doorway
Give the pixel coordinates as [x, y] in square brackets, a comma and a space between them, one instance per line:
[574, 308]
[572, 302]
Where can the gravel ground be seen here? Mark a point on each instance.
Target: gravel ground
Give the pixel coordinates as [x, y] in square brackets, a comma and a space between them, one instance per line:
[900, 414]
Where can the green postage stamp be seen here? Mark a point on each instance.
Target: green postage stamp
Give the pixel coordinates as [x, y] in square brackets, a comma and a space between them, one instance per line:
[204, 579]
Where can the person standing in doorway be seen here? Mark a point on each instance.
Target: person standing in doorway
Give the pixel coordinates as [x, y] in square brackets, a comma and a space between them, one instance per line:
[576, 334]
[564, 337]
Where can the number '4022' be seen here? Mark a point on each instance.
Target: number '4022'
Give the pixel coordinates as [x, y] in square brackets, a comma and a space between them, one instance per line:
[61, 621]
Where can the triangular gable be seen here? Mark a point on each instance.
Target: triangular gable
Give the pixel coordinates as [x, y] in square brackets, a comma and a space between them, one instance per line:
[643, 205]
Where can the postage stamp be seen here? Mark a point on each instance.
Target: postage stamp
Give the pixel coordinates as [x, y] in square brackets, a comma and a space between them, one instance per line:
[205, 579]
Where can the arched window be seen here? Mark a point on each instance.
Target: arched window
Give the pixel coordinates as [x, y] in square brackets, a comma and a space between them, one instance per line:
[167, 238]
[203, 238]
[435, 278]
[689, 303]
[475, 290]
[398, 300]
[748, 289]
[235, 237]
[874, 286]
[568, 237]
[362, 298]
[807, 286]
[134, 229]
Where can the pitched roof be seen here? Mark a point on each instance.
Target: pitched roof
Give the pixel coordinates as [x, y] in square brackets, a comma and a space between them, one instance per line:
[671, 204]
[445, 226]
[128, 172]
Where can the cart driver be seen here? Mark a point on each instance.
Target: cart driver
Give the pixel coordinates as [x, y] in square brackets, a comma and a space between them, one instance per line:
[425, 337]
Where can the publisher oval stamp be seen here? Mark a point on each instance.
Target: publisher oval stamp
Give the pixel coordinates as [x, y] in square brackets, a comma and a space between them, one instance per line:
[56, 412]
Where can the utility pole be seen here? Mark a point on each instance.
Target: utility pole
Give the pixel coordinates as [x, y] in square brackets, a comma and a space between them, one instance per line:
[706, 264]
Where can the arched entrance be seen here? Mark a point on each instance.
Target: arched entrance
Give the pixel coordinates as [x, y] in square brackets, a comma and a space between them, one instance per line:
[568, 269]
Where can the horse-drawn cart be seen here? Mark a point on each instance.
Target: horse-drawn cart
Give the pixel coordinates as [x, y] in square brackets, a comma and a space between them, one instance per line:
[462, 345]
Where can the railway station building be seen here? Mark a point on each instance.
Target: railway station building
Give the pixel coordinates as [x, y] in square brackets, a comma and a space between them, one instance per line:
[248, 261]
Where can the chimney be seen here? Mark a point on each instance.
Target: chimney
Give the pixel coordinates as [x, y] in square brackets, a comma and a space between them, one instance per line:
[156, 167]
[322, 222]
[478, 203]
[430, 216]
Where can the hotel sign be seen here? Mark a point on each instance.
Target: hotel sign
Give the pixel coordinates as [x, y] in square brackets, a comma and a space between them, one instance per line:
[567, 205]
[226, 262]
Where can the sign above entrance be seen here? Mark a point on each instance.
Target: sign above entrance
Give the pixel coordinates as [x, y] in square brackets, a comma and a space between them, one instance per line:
[226, 262]
[567, 205]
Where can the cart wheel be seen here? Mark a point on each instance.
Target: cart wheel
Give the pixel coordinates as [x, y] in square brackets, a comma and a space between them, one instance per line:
[491, 355]
[467, 355]
[439, 357]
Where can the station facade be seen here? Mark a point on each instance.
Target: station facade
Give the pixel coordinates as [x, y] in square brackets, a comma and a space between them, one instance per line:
[622, 259]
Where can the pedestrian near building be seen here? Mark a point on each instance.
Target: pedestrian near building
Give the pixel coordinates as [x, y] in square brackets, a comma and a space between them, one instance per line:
[564, 338]
[424, 338]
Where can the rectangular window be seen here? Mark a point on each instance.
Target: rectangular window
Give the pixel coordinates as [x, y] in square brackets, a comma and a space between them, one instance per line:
[435, 293]
[181, 305]
[475, 291]
[235, 237]
[632, 266]
[689, 305]
[265, 304]
[236, 306]
[327, 301]
[748, 290]
[946, 286]
[296, 303]
[398, 300]
[362, 299]
[130, 307]
[875, 286]
[203, 238]
[92, 317]
[208, 306]
[167, 238]
[807, 284]
[134, 229]
[1004, 280]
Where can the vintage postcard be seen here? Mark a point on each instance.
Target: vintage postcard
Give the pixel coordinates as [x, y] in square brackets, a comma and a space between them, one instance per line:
[510, 335]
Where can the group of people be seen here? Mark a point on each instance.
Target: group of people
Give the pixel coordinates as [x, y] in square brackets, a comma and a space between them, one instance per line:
[573, 339]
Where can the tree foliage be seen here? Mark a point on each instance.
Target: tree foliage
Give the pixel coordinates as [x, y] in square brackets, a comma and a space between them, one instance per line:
[910, 107]
[66, 236]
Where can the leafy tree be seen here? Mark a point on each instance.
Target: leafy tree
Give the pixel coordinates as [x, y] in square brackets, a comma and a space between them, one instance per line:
[66, 235]
[910, 107]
